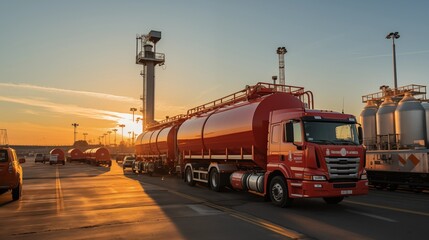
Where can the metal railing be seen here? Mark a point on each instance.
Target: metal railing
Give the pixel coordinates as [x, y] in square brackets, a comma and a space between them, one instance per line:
[146, 55]
[418, 91]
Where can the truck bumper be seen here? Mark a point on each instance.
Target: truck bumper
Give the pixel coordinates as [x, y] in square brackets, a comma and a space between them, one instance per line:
[316, 189]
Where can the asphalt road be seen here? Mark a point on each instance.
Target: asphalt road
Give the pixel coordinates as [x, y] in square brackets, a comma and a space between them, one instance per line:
[78, 201]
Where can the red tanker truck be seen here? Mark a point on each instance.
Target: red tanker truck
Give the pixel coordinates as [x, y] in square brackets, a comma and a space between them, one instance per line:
[265, 139]
[98, 156]
[76, 155]
[56, 156]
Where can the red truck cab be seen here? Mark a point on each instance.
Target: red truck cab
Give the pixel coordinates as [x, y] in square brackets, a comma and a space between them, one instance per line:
[10, 172]
[315, 154]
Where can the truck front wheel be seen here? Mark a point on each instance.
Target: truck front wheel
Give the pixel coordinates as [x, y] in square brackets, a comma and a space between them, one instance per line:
[279, 192]
[188, 177]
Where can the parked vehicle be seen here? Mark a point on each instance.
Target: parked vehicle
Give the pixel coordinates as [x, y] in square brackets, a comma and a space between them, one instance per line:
[42, 158]
[128, 162]
[10, 172]
[57, 156]
[98, 156]
[75, 155]
[265, 139]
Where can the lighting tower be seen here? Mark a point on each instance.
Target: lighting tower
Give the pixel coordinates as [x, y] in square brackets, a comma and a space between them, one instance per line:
[393, 36]
[149, 59]
[109, 132]
[115, 130]
[75, 125]
[122, 126]
[133, 110]
[281, 51]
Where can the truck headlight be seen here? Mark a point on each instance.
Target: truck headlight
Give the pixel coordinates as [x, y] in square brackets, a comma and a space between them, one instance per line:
[364, 176]
[319, 178]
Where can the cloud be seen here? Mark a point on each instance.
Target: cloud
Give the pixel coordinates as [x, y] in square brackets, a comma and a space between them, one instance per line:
[69, 109]
[76, 92]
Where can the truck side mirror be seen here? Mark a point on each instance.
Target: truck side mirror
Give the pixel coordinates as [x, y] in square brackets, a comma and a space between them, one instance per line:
[360, 135]
[289, 132]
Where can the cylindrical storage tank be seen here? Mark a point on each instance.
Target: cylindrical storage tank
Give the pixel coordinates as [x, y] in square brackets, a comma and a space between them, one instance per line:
[410, 121]
[138, 145]
[75, 154]
[145, 143]
[166, 142]
[58, 152]
[238, 180]
[386, 122]
[100, 154]
[368, 121]
[235, 129]
[255, 182]
[426, 107]
[152, 142]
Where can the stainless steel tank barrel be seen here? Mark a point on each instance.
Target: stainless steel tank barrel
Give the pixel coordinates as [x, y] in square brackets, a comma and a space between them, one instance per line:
[368, 121]
[410, 121]
[386, 123]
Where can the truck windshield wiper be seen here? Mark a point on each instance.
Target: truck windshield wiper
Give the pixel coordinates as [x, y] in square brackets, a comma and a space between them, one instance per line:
[323, 141]
[345, 142]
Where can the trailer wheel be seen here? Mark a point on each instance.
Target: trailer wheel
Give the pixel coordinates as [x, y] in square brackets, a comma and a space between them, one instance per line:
[188, 177]
[279, 192]
[215, 180]
[16, 192]
[333, 200]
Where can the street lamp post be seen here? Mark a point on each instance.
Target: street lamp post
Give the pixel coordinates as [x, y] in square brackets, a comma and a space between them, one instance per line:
[393, 36]
[115, 130]
[122, 126]
[129, 137]
[109, 132]
[133, 110]
[84, 136]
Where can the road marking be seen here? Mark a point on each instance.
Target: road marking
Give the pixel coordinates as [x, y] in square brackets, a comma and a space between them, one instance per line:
[388, 208]
[58, 192]
[372, 216]
[247, 218]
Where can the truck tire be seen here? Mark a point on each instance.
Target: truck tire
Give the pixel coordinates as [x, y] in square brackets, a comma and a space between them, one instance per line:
[279, 193]
[188, 177]
[333, 200]
[16, 192]
[214, 180]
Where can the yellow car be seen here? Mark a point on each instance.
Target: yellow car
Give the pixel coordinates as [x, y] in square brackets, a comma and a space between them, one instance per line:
[10, 172]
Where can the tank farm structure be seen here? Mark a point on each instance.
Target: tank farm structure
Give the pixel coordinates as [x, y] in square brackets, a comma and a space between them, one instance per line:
[396, 134]
[266, 139]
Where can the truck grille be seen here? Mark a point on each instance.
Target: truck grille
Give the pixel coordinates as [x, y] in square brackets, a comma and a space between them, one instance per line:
[340, 168]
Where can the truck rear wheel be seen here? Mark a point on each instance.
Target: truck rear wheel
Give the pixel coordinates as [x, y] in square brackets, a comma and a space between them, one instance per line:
[188, 177]
[214, 177]
[16, 192]
[279, 192]
[333, 200]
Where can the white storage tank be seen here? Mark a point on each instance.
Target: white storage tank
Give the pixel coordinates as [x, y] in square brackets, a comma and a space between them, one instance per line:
[386, 122]
[426, 107]
[410, 121]
[368, 121]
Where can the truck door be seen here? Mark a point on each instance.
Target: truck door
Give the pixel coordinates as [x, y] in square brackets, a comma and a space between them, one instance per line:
[274, 141]
[292, 147]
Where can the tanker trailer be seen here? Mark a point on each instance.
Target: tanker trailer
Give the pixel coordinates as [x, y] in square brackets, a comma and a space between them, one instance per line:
[264, 140]
[56, 156]
[99, 156]
[76, 155]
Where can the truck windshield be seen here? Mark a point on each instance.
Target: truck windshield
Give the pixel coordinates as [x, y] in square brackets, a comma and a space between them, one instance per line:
[337, 133]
